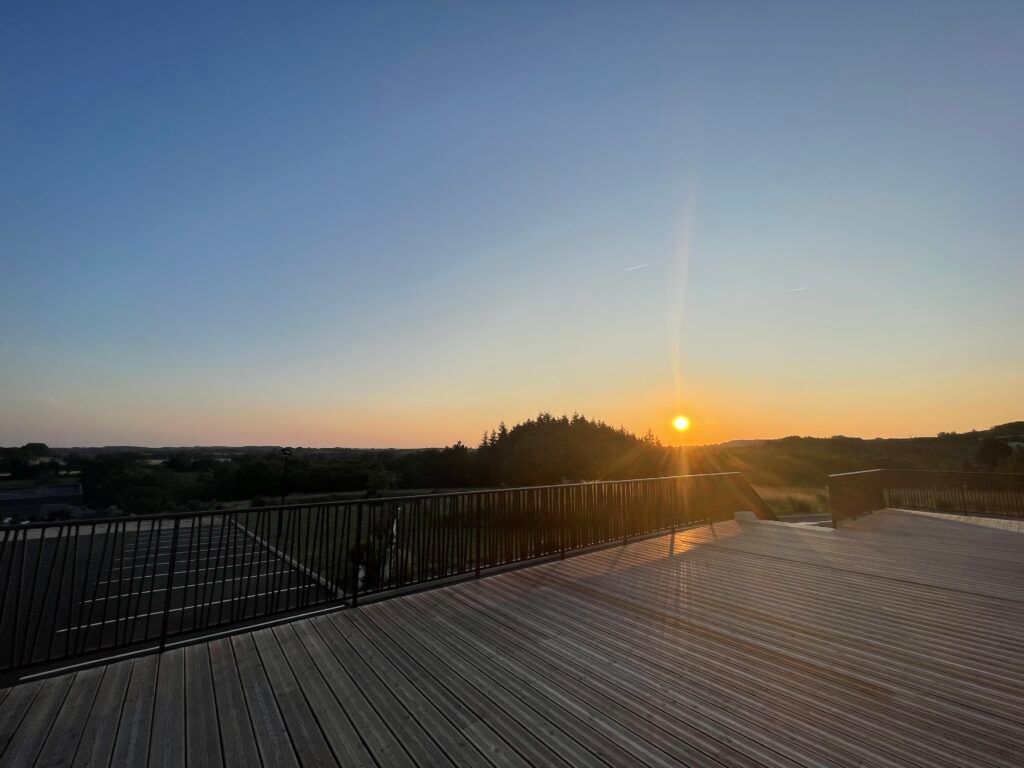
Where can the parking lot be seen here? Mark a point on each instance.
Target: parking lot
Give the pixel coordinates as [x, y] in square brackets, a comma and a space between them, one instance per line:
[71, 591]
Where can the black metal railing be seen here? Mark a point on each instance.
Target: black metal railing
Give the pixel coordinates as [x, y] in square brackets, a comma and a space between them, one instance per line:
[74, 588]
[853, 494]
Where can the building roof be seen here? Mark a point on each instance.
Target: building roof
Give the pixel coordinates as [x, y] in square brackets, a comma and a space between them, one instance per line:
[896, 640]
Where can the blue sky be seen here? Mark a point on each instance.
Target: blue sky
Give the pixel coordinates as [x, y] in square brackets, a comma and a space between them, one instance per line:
[396, 224]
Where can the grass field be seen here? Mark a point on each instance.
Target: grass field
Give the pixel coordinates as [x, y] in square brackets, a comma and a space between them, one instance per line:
[794, 499]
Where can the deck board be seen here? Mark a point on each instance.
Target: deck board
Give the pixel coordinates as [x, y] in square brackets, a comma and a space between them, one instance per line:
[449, 740]
[202, 731]
[167, 745]
[97, 739]
[311, 747]
[267, 724]
[12, 712]
[238, 742]
[372, 730]
[492, 707]
[38, 722]
[62, 743]
[332, 720]
[131, 745]
[452, 712]
[389, 710]
[897, 640]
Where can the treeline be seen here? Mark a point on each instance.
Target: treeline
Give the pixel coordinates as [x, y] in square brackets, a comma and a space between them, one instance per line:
[551, 449]
[543, 450]
[808, 461]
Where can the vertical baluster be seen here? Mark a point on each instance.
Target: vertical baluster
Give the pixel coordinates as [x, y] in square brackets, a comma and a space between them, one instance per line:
[437, 533]
[346, 549]
[60, 592]
[478, 538]
[121, 635]
[205, 581]
[71, 596]
[153, 541]
[10, 550]
[465, 535]
[170, 584]
[277, 569]
[265, 571]
[282, 534]
[563, 498]
[186, 573]
[16, 622]
[300, 554]
[32, 601]
[332, 529]
[440, 561]
[221, 552]
[316, 553]
[252, 552]
[421, 542]
[428, 538]
[450, 503]
[622, 514]
[45, 600]
[294, 548]
[83, 639]
[121, 534]
[358, 549]
[323, 531]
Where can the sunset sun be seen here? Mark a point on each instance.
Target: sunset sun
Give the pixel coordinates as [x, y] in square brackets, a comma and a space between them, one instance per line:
[680, 423]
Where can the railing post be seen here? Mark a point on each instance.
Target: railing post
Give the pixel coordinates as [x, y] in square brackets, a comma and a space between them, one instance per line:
[622, 516]
[562, 493]
[668, 498]
[359, 553]
[170, 583]
[478, 548]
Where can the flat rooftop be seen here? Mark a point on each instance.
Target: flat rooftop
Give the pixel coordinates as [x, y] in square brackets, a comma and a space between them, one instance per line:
[896, 640]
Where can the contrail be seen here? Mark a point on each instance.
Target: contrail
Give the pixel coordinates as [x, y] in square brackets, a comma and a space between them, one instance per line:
[638, 266]
[794, 290]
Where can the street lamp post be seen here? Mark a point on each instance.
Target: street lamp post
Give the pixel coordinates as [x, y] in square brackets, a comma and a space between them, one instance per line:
[286, 452]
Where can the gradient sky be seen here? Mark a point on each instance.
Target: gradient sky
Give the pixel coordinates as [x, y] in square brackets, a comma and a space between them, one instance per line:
[396, 224]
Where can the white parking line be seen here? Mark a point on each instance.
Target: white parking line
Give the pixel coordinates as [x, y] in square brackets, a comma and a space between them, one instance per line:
[161, 574]
[162, 561]
[205, 584]
[239, 598]
[229, 538]
[193, 553]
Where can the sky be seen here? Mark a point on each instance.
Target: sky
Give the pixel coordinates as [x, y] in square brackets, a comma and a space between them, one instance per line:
[397, 224]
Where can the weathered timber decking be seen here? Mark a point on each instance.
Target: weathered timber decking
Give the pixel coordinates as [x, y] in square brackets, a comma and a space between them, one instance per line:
[897, 640]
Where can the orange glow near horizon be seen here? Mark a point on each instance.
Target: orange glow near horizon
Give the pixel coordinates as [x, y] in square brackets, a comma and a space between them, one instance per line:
[719, 408]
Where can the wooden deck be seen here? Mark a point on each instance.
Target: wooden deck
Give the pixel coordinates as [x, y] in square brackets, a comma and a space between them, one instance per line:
[897, 640]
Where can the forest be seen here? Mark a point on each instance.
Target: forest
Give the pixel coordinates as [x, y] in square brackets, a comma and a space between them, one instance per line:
[790, 472]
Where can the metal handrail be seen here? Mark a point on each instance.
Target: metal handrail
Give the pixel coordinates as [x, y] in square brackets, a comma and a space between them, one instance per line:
[854, 494]
[72, 588]
[171, 516]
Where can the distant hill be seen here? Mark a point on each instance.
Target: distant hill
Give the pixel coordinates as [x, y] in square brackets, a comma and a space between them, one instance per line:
[809, 460]
[546, 449]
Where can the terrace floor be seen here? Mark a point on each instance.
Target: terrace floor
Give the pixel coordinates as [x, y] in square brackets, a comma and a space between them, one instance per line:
[897, 640]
